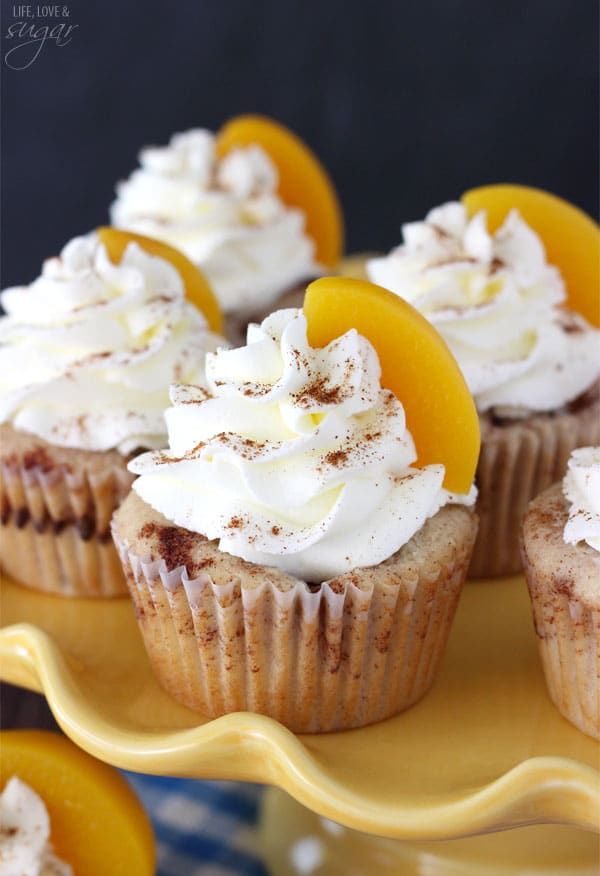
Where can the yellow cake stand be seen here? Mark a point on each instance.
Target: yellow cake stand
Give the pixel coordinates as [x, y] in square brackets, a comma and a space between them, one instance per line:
[484, 751]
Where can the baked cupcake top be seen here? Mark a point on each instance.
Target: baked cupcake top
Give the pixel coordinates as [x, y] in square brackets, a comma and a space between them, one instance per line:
[25, 833]
[572, 570]
[89, 349]
[293, 456]
[497, 303]
[581, 487]
[224, 214]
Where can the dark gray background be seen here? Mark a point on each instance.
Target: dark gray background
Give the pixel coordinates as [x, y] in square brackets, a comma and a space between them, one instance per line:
[408, 103]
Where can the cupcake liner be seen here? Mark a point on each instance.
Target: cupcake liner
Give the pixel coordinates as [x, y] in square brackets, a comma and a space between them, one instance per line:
[517, 462]
[568, 632]
[56, 527]
[357, 649]
[61, 563]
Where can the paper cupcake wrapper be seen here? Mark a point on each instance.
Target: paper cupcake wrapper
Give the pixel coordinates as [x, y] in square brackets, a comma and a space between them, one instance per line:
[61, 563]
[568, 634]
[338, 657]
[517, 463]
[56, 528]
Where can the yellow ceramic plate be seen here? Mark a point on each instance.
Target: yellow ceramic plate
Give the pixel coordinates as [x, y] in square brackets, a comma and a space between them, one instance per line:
[291, 835]
[484, 750]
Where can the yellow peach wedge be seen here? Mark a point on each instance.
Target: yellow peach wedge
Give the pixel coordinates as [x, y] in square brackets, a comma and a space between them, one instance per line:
[97, 824]
[571, 238]
[303, 181]
[197, 288]
[416, 365]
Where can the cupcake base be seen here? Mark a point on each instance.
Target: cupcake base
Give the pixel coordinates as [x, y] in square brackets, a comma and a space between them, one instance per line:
[519, 459]
[61, 563]
[224, 635]
[564, 586]
[56, 506]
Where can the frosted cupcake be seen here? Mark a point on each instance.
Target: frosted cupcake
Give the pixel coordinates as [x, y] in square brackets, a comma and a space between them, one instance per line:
[531, 363]
[284, 554]
[561, 557]
[63, 813]
[243, 205]
[87, 353]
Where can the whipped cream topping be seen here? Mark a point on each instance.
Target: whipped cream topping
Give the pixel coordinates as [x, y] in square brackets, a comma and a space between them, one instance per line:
[294, 457]
[89, 349]
[581, 487]
[496, 302]
[224, 214]
[25, 834]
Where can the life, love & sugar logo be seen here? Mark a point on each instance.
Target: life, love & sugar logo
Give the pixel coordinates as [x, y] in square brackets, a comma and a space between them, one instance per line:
[32, 29]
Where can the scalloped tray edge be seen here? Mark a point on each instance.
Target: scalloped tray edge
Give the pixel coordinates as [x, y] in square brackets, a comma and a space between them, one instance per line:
[249, 747]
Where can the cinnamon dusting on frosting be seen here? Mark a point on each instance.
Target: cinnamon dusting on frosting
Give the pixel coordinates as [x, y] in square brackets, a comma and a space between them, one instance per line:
[336, 457]
[320, 391]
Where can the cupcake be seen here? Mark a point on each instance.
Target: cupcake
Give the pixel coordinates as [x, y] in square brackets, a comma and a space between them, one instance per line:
[251, 206]
[63, 813]
[284, 554]
[561, 557]
[530, 361]
[87, 353]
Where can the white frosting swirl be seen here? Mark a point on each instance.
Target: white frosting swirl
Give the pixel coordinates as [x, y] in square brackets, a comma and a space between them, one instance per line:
[581, 487]
[89, 349]
[24, 834]
[224, 214]
[296, 458]
[495, 300]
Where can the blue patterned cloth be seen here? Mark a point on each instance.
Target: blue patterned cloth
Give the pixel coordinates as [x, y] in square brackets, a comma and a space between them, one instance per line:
[202, 828]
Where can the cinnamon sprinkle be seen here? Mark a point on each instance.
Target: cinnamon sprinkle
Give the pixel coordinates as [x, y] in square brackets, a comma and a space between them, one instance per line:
[235, 523]
[319, 391]
[176, 546]
[337, 457]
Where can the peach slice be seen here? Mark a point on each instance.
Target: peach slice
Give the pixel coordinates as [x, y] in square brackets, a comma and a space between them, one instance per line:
[570, 236]
[197, 288]
[97, 824]
[416, 365]
[303, 181]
